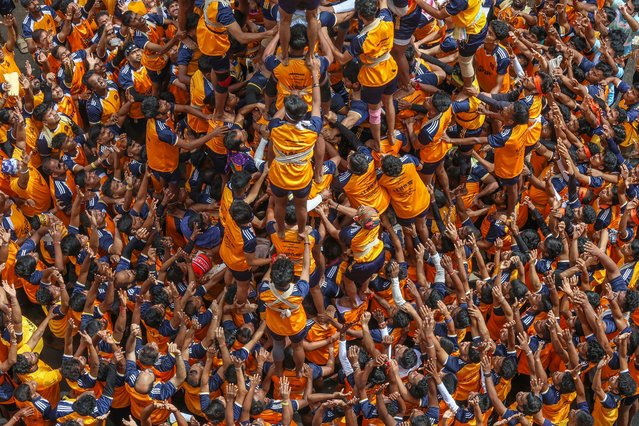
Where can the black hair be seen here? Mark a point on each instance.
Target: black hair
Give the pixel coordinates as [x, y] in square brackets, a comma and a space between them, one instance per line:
[43, 296]
[366, 9]
[408, 359]
[441, 101]
[331, 249]
[351, 71]
[517, 289]
[358, 163]
[461, 319]
[150, 106]
[153, 317]
[282, 272]
[508, 368]
[41, 110]
[22, 365]
[533, 404]
[296, 107]
[567, 384]
[421, 420]
[241, 212]
[520, 112]
[553, 246]
[631, 302]
[58, 139]
[500, 28]
[391, 165]
[401, 319]
[147, 355]
[215, 411]
[77, 301]
[127, 17]
[627, 385]
[420, 389]
[290, 217]
[84, 405]
[594, 351]
[70, 245]
[231, 140]
[25, 266]
[299, 37]
[22, 392]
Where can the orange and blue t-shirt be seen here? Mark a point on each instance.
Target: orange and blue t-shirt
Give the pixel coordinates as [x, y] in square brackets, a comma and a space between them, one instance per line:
[161, 141]
[273, 307]
[509, 146]
[293, 145]
[372, 46]
[46, 22]
[237, 240]
[409, 195]
[490, 65]
[212, 36]
[364, 189]
[151, 60]
[430, 132]
[101, 109]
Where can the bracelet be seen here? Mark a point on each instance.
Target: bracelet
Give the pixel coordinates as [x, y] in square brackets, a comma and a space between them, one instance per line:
[430, 347]
[284, 403]
[448, 321]
[488, 375]
[25, 172]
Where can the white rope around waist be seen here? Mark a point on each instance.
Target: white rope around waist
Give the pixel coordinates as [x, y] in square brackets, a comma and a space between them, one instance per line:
[365, 250]
[282, 298]
[298, 158]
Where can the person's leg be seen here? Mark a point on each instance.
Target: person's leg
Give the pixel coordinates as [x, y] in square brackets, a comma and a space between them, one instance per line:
[442, 177]
[313, 30]
[280, 210]
[397, 52]
[318, 298]
[298, 357]
[301, 214]
[242, 292]
[222, 83]
[389, 108]
[511, 194]
[186, 7]
[422, 230]
[350, 288]
[285, 33]
[375, 120]
[278, 355]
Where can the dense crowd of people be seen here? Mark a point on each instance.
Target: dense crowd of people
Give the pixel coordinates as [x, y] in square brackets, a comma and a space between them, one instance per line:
[375, 212]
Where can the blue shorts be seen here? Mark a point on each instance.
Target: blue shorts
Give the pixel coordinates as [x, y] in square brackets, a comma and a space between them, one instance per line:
[428, 77]
[429, 168]
[407, 26]
[448, 45]
[241, 275]
[297, 193]
[474, 42]
[362, 271]
[290, 6]
[409, 222]
[221, 64]
[509, 181]
[168, 177]
[159, 76]
[456, 131]
[219, 161]
[296, 338]
[373, 95]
